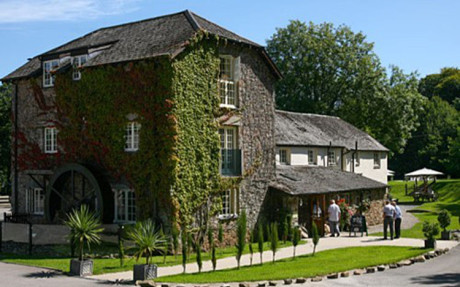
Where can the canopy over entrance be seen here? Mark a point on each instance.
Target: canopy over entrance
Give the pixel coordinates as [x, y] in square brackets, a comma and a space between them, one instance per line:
[423, 172]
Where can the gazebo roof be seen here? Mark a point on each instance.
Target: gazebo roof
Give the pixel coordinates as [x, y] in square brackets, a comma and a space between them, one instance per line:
[423, 172]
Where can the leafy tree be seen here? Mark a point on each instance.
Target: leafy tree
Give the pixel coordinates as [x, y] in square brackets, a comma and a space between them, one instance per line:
[5, 136]
[445, 85]
[241, 229]
[148, 239]
[260, 241]
[274, 239]
[314, 236]
[453, 162]
[84, 229]
[295, 238]
[334, 71]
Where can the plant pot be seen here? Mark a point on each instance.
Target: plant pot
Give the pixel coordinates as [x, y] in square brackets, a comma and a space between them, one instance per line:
[144, 272]
[81, 268]
[445, 235]
[430, 243]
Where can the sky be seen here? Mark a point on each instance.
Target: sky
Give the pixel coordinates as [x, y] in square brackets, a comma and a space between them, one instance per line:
[416, 35]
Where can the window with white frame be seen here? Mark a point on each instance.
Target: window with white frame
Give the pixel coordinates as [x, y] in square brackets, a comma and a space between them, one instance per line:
[331, 161]
[284, 156]
[228, 145]
[48, 68]
[35, 201]
[77, 62]
[50, 140]
[227, 85]
[357, 160]
[132, 136]
[125, 205]
[311, 157]
[229, 203]
[376, 160]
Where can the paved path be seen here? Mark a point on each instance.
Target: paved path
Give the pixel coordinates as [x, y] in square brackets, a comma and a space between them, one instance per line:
[408, 221]
[324, 244]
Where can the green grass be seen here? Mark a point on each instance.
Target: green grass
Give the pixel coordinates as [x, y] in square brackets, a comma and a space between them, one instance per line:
[102, 266]
[325, 262]
[449, 198]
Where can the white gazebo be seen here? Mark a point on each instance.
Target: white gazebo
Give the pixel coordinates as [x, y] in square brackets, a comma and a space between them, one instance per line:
[425, 174]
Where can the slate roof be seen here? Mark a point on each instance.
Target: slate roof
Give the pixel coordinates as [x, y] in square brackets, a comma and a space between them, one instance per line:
[300, 129]
[164, 35]
[300, 180]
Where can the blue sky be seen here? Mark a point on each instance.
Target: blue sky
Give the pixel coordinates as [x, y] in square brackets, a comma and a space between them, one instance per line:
[422, 35]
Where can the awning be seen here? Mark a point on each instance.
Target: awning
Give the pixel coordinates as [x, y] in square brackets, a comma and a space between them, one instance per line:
[300, 180]
[423, 172]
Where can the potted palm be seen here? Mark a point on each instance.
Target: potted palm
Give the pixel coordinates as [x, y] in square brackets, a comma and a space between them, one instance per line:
[148, 240]
[430, 230]
[444, 222]
[84, 230]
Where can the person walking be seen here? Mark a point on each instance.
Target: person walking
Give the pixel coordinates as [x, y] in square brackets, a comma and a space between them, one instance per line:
[388, 216]
[398, 219]
[334, 218]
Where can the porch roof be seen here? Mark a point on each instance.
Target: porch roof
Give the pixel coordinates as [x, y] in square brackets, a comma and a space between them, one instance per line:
[300, 180]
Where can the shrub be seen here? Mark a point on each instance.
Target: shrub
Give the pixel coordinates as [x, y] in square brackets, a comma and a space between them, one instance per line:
[444, 219]
[184, 241]
[295, 238]
[210, 238]
[315, 236]
[220, 234]
[251, 251]
[175, 239]
[241, 236]
[274, 240]
[430, 230]
[213, 257]
[84, 228]
[260, 241]
[148, 240]
[199, 261]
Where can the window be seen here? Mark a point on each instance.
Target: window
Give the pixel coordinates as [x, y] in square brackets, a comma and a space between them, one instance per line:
[51, 140]
[125, 205]
[331, 158]
[77, 62]
[132, 136]
[35, 201]
[229, 203]
[227, 146]
[48, 68]
[376, 160]
[357, 159]
[284, 156]
[227, 86]
[311, 157]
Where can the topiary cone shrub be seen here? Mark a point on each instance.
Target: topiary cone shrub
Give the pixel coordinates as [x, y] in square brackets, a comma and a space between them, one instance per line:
[444, 221]
[430, 230]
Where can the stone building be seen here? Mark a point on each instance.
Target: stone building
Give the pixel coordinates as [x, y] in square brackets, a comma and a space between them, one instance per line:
[129, 120]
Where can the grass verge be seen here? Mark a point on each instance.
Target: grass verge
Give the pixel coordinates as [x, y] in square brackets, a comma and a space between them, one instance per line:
[325, 262]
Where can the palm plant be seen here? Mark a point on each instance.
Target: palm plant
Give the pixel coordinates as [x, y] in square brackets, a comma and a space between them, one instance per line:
[84, 228]
[148, 240]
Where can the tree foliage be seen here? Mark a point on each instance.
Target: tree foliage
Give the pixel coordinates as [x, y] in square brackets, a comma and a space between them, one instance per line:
[445, 85]
[315, 236]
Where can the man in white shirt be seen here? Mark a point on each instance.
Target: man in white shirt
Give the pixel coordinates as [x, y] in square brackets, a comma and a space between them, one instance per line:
[398, 219]
[334, 218]
[388, 216]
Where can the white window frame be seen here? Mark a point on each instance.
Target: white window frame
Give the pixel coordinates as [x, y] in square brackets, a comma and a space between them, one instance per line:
[227, 84]
[230, 204]
[128, 197]
[287, 155]
[331, 160]
[132, 136]
[35, 201]
[48, 68]
[225, 133]
[50, 140]
[357, 160]
[311, 157]
[77, 62]
[376, 160]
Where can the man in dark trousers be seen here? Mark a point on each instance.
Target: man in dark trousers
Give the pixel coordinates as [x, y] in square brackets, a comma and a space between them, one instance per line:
[388, 216]
[398, 219]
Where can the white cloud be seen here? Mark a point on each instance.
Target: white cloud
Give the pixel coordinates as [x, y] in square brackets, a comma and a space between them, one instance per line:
[15, 11]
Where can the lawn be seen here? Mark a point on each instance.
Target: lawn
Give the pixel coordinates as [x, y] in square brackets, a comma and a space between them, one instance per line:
[102, 266]
[449, 198]
[325, 262]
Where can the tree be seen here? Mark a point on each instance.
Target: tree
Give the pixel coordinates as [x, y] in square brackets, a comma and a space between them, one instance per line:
[295, 238]
[210, 238]
[175, 239]
[213, 257]
[251, 250]
[334, 71]
[445, 85]
[199, 261]
[5, 136]
[274, 239]
[220, 234]
[260, 241]
[184, 241]
[314, 236]
[241, 229]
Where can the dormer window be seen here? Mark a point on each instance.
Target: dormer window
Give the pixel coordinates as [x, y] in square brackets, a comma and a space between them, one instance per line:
[48, 68]
[331, 161]
[77, 62]
[227, 82]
